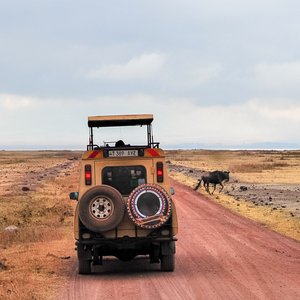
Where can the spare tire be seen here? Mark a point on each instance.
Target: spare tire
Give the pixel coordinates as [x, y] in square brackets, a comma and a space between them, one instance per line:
[101, 208]
[149, 206]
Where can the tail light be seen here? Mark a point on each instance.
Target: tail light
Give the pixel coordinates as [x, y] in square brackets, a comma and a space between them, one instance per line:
[88, 174]
[159, 172]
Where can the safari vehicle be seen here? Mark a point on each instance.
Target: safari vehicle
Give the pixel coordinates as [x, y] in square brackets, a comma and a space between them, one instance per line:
[124, 204]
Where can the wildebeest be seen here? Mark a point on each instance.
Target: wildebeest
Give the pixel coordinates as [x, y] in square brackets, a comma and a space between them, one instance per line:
[215, 177]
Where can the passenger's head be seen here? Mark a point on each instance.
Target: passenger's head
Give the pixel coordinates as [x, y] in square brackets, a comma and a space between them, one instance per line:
[120, 143]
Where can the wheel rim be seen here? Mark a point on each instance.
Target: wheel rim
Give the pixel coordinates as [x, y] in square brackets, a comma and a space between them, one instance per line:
[101, 208]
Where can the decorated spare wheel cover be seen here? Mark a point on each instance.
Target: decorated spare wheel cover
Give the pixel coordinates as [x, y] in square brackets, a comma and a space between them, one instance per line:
[149, 206]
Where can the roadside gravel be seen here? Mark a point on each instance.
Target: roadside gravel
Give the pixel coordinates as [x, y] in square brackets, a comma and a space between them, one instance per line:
[278, 196]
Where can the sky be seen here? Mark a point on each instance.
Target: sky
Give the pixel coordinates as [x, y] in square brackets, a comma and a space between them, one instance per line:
[216, 74]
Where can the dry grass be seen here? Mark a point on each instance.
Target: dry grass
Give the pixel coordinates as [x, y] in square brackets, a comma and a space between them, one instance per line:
[34, 261]
[251, 167]
[33, 271]
[282, 167]
[35, 258]
[255, 167]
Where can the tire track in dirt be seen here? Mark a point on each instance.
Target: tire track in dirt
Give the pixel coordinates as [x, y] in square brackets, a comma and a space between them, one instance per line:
[220, 255]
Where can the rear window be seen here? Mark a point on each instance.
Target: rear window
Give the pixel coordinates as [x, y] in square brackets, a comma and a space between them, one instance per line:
[124, 179]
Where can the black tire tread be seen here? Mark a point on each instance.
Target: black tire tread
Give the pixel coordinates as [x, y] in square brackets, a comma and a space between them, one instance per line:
[101, 225]
[167, 263]
[84, 266]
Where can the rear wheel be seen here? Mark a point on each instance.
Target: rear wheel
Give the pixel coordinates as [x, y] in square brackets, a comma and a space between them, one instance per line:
[84, 266]
[167, 263]
[101, 208]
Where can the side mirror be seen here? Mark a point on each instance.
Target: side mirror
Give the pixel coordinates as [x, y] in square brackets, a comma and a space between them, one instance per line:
[172, 191]
[74, 196]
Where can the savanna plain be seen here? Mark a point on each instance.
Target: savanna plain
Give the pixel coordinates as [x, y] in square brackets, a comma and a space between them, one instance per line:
[36, 215]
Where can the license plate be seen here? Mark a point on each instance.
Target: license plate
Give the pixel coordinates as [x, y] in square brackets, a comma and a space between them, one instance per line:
[122, 153]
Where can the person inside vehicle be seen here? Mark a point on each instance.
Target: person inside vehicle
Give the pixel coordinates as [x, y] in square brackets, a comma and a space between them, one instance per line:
[119, 143]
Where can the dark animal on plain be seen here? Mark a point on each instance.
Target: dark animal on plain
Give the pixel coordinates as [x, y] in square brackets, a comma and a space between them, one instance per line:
[215, 177]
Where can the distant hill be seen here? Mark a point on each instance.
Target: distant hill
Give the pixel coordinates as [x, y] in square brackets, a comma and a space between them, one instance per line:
[252, 146]
[216, 146]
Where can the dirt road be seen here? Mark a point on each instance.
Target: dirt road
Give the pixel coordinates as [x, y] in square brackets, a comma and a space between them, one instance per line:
[219, 256]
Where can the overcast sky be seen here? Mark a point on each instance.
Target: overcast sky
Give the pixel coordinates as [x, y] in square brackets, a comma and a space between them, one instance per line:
[215, 73]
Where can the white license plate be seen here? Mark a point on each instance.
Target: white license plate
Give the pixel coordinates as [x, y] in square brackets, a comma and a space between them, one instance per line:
[122, 153]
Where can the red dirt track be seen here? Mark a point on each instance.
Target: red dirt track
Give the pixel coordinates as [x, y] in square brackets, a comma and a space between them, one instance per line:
[219, 256]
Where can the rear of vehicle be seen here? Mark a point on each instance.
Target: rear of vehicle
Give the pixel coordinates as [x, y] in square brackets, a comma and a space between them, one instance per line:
[124, 201]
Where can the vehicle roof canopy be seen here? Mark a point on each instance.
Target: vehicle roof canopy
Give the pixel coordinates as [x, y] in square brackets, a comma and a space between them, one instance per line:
[120, 120]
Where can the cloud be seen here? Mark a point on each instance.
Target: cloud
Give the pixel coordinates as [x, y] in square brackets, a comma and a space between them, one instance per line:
[277, 109]
[180, 120]
[144, 66]
[278, 75]
[205, 74]
[16, 102]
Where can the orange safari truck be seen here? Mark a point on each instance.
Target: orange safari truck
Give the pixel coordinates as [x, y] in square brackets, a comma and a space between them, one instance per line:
[124, 205]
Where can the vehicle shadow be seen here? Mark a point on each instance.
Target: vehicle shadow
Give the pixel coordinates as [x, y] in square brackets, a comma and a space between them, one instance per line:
[113, 266]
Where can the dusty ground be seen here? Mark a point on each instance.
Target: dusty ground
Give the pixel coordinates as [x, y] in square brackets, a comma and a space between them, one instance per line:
[278, 196]
[34, 187]
[220, 255]
[264, 185]
[215, 249]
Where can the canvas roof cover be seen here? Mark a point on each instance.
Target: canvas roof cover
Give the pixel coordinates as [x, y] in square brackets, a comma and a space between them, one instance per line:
[120, 120]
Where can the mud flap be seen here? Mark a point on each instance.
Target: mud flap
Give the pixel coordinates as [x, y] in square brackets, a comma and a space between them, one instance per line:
[155, 253]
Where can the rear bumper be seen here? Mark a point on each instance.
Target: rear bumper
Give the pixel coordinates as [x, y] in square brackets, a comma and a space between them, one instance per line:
[125, 248]
[124, 240]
